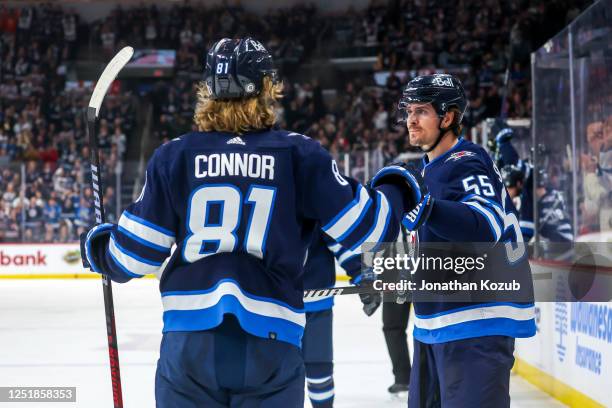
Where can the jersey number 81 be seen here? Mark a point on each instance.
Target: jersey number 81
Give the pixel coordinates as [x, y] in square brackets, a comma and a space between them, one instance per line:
[221, 236]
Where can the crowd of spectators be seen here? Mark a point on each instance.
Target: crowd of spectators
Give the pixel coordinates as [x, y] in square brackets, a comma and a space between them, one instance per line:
[476, 40]
[290, 33]
[487, 37]
[42, 113]
[42, 125]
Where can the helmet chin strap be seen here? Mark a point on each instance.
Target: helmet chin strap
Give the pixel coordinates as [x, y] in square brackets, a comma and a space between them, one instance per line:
[441, 132]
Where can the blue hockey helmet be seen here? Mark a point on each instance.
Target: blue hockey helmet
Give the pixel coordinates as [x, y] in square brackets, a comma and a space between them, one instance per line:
[443, 91]
[235, 68]
[512, 175]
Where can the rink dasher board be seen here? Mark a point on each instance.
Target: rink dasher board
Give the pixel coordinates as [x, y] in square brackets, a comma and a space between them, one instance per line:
[54, 261]
[570, 357]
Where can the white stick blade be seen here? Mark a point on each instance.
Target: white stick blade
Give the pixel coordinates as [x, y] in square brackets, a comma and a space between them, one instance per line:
[108, 76]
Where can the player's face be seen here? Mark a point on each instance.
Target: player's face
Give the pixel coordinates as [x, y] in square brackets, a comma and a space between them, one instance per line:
[515, 191]
[595, 136]
[423, 124]
[607, 134]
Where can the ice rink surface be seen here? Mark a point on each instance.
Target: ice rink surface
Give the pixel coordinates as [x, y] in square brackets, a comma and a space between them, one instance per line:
[53, 334]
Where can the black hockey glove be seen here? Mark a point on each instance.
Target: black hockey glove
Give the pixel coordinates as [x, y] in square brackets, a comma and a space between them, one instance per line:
[420, 201]
[371, 301]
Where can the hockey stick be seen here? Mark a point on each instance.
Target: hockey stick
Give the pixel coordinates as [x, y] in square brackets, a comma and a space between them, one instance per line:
[362, 290]
[340, 290]
[106, 79]
[504, 106]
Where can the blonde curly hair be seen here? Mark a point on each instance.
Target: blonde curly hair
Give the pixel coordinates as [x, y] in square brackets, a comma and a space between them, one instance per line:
[237, 115]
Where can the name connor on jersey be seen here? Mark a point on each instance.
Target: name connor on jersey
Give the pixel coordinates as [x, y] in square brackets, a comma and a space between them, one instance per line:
[234, 164]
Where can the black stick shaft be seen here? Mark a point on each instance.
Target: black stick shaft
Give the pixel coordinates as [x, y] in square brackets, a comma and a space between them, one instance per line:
[109, 308]
[504, 105]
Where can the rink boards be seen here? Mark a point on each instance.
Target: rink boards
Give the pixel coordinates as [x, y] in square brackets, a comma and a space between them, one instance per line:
[570, 358]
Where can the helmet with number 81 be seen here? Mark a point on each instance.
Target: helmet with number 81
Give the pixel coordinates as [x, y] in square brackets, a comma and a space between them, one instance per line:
[236, 68]
[240, 89]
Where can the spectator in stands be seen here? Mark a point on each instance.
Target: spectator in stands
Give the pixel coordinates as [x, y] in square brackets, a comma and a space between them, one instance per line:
[605, 175]
[593, 190]
[40, 120]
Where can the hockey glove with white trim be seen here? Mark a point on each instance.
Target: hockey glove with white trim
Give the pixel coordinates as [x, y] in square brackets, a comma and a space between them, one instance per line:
[419, 199]
[93, 245]
[371, 301]
[405, 177]
[419, 214]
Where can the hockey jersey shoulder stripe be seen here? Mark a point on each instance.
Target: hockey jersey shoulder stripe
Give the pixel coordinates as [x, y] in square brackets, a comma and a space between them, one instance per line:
[350, 217]
[146, 231]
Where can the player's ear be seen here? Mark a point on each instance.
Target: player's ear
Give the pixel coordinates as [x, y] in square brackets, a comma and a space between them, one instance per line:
[448, 119]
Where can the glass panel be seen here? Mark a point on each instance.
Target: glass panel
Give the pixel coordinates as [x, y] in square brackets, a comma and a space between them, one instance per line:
[593, 94]
[58, 199]
[552, 124]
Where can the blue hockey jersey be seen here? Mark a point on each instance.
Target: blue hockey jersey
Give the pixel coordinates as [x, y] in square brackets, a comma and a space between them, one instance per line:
[472, 205]
[553, 218]
[241, 211]
[319, 272]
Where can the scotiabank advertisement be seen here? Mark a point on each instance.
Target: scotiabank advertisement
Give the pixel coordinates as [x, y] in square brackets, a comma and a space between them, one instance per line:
[32, 260]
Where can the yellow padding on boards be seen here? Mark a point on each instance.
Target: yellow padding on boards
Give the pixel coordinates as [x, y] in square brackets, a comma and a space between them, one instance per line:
[553, 386]
[89, 276]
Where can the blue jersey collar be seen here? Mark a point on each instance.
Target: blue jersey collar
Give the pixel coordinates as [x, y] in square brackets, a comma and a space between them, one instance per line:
[457, 145]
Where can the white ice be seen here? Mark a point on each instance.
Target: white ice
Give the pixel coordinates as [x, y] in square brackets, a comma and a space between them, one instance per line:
[52, 333]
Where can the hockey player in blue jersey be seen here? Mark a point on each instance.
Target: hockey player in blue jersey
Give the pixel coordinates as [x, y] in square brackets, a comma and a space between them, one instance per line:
[553, 217]
[317, 344]
[463, 351]
[239, 201]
